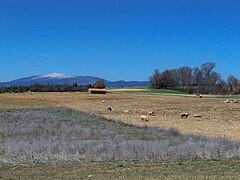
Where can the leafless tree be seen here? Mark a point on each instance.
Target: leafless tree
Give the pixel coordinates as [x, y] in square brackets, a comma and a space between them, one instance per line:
[184, 75]
[197, 76]
[99, 84]
[207, 68]
[232, 82]
[156, 79]
[169, 78]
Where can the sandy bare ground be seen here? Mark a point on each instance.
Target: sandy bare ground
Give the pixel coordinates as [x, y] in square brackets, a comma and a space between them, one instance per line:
[218, 119]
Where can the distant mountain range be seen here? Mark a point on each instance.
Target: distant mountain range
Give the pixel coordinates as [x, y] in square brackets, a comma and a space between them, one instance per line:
[56, 78]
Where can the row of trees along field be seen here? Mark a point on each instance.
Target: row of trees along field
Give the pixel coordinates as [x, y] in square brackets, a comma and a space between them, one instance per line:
[202, 79]
[65, 87]
[46, 88]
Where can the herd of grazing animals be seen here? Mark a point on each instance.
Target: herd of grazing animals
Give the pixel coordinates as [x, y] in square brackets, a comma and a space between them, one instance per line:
[145, 118]
[142, 117]
[231, 101]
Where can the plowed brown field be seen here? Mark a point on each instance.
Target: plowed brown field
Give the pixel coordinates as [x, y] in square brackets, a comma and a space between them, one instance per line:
[218, 119]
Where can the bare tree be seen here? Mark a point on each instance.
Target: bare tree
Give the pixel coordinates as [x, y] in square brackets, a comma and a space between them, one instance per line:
[197, 76]
[207, 68]
[156, 79]
[99, 84]
[232, 82]
[214, 78]
[169, 78]
[208, 77]
[184, 75]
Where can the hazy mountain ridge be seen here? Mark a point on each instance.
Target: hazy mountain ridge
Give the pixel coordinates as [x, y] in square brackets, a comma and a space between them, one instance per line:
[56, 78]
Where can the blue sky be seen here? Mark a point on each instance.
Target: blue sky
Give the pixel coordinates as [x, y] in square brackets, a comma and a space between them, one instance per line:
[117, 39]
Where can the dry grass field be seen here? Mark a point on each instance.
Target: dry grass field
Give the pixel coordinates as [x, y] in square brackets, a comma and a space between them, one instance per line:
[41, 142]
[127, 170]
[218, 119]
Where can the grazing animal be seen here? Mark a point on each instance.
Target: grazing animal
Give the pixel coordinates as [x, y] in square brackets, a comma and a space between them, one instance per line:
[126, 111]
[103, 101]
[197, 115]
[234, 101]
[151, 113]
[109, 109]
[230, 101]
[144, 118]
[198, 95]
[185, 115]
[227, 101]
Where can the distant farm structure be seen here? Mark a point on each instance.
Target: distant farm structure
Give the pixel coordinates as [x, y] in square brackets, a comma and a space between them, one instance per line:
[97, 91]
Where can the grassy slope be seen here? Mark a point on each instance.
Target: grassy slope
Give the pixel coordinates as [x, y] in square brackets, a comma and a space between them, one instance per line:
[145, 89]
[165, 91]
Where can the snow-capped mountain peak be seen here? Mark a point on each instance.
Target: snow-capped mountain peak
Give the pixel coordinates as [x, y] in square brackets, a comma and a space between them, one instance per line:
[58, 78]
[52, 75]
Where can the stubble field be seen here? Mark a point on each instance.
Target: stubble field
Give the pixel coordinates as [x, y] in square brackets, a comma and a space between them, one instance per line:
[39, 141]
[218, 119]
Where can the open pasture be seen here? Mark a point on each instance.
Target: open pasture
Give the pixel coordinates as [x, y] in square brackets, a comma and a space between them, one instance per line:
[42, 142]
[218, 118]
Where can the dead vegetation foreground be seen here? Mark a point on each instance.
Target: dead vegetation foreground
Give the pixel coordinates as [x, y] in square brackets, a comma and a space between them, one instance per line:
[217, 118]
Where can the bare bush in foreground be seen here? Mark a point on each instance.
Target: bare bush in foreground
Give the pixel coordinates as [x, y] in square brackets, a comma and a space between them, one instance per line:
[60, 134]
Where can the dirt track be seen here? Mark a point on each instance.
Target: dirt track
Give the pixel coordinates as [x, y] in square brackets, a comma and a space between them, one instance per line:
[218, 119]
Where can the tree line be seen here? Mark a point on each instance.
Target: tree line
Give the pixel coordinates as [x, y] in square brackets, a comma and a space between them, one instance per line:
[65, 87]
[46, 88]
[203, 79]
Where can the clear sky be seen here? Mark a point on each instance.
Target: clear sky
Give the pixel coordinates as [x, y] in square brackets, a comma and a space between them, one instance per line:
[117, 39]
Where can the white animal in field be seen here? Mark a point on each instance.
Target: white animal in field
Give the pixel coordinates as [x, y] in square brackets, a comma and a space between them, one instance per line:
[144, 118]
[197, 115]
[151, 113]
[231, 101]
